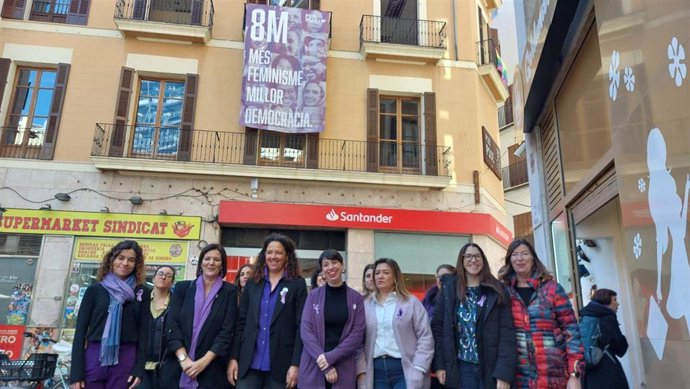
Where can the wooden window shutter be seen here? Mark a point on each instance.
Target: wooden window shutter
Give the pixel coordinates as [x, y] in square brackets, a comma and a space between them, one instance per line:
[430, 134]
[197, 11]
[13, 9]
[315, 4]
[4, 71]
[78, 12]
[553, 176]
[313, 150]
[372, 130]
[191, 85]
[139, 11]
[251, 145]
[48, 147]
[117, 137]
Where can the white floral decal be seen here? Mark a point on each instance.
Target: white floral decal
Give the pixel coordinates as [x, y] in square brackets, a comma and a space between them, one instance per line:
[676, 54]
[614, 74]
[641, 185]
[637, 246]
[629, 79]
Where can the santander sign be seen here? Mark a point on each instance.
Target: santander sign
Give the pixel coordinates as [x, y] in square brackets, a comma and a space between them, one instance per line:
[358, 217]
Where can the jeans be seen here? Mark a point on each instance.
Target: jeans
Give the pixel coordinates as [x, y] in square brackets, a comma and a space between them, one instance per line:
[256, 379]
[388, 373]
[470, 375]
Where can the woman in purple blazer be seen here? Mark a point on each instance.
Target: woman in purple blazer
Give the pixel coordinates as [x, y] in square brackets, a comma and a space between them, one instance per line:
[332, 330]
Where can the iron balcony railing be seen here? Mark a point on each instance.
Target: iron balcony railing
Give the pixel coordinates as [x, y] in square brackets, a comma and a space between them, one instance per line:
[515, 174]
[21, 142]
[411, 32]
[183, 12]
[267, 149]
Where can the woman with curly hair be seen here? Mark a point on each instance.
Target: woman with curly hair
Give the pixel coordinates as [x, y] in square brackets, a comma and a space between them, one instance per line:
[267, 347]
[549, 348]
[111, 336]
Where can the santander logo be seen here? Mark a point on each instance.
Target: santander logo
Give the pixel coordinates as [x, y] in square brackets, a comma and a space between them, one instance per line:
[332, 216]
[358, 217]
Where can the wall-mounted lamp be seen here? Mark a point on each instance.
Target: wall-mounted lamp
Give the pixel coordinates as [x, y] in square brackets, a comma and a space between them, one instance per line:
[105, 210]
[2, 210]
[45, 207]
[136, 200]
[63, 196]
[163, 212]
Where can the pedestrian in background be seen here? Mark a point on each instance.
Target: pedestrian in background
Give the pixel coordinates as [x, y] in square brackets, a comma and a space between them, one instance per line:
[156, 348]
[332, 330]
[267, 346]
[399, 345]
[244, 273]
[429, 301]
[547, 335]
[608, 373]
[368, 287]
[112, 333]
[200, 325]
[473, 326]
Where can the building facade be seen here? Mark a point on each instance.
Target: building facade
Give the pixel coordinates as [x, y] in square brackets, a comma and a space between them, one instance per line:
[601, 95]
[125, 108]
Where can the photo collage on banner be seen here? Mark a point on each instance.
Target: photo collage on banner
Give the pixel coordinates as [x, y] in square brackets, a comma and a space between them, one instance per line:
[284, 79]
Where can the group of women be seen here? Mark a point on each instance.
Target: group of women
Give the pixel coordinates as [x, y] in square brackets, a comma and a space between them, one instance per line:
[517, 330]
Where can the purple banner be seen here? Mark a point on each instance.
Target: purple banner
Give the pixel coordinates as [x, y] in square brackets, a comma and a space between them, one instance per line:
[284, 79]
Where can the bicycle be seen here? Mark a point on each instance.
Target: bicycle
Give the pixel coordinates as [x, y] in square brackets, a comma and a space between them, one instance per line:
[60, 378]
[27, 373]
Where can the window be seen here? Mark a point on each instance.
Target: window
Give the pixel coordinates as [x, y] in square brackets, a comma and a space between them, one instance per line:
[399, 146]
[279, 149]
[29, 112]
[158, 120]
[60, 11]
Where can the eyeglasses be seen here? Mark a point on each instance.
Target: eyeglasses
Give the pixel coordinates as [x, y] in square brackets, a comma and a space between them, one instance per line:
[164, 276]
[470, 257]
[524, 254]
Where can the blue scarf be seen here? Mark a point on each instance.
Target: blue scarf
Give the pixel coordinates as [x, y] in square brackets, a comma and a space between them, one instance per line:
[202, 307]
[120, 292]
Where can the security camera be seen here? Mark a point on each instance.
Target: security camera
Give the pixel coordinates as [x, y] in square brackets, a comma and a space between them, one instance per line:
[520, 151]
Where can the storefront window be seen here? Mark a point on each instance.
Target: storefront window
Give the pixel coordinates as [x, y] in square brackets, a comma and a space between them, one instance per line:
[418, 255]
[559, 234]
[19, 260]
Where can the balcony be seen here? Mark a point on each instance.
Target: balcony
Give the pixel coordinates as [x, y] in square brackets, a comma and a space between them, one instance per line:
[266, 155]
[515, 174]
[387, 38]
[488, 64]
[23, 143]
[188, 21]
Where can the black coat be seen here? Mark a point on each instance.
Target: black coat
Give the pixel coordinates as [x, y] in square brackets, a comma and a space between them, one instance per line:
[216, 334]
[495, 335]
[285, 344]
[608, 373]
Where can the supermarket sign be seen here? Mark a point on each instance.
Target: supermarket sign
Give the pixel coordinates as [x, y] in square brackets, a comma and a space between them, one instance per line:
[158, 251]
[114, 225]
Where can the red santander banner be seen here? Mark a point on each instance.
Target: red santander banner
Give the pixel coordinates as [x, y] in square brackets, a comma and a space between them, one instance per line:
[302, 215]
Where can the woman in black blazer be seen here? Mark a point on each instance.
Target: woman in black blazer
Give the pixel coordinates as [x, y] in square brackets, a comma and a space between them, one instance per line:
[267, 346]
[200, 325]
[474, 310]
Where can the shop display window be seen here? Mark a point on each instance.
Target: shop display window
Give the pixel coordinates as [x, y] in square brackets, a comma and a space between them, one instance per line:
[19, 258]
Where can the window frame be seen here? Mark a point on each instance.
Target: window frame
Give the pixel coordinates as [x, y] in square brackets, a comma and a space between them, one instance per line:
[283, 143]
[399, 141]
[153, 152]
[25, 149]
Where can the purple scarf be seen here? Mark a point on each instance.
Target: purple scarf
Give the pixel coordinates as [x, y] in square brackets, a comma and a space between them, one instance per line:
[202, 307]
[120, 292]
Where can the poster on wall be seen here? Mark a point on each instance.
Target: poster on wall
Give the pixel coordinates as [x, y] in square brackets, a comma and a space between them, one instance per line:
[284, 77]
[41, 342]
[11, 338]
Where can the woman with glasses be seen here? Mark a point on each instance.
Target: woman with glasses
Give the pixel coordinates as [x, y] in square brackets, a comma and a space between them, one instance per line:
[399, 345]
[157, 314]
[549, 347]
[473, 326]
[110, 338]
[200, 325]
